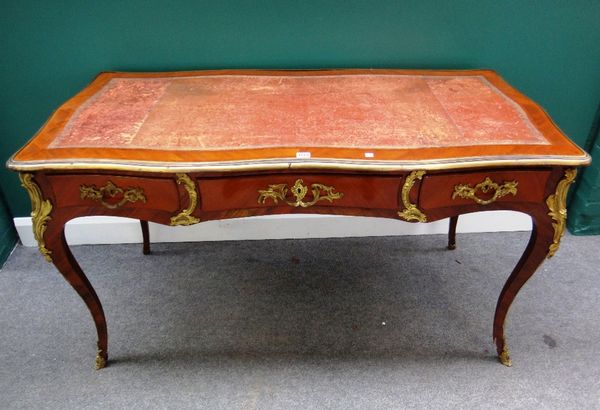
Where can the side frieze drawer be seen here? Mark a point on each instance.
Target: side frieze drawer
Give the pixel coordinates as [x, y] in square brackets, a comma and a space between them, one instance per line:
[482, 188]
[115, 192]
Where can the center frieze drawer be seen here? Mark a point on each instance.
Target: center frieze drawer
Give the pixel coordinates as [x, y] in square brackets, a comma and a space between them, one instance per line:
[300, 191]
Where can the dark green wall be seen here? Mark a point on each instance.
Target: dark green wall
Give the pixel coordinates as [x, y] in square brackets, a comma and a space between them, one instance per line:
[8, 235]
[50, 50]
[584, 211]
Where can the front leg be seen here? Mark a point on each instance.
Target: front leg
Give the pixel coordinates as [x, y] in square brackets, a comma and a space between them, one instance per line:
[48, 229]
[548, 226]
[66, 264]
[532, 258]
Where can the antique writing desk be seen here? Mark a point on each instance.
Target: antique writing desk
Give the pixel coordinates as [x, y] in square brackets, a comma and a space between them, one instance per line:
[182, 148]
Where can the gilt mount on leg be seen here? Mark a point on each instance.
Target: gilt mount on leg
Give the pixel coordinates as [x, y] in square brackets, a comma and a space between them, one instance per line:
[40, 213]
[557, 204]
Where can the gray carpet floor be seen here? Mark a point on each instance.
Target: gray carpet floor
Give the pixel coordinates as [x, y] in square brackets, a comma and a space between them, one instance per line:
[360, 323]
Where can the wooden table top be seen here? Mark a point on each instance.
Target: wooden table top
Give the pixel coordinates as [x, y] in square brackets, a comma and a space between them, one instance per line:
[344, 119]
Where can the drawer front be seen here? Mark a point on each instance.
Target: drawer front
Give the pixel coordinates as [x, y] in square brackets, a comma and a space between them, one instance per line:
[482, 188]
[115, 192]
[299, 191]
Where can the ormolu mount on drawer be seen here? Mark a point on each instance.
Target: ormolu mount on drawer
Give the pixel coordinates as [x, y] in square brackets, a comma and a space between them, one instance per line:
[320, 192]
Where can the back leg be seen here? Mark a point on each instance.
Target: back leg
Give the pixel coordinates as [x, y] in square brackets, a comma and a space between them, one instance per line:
[452, 232]
[146, 237]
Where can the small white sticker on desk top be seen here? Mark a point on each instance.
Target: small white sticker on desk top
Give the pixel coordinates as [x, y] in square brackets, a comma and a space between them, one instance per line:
[303, 154]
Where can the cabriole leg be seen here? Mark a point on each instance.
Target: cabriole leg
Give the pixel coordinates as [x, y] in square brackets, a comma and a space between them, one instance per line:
[548, 226]
[48, 230]
[64, 261]
[535, 253]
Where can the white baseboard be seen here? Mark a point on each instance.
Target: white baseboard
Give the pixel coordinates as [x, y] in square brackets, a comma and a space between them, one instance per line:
[112, 230]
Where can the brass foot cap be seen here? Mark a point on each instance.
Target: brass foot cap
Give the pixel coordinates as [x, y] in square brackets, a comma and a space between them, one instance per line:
[100, 362]
[100, 359]
[505, 358]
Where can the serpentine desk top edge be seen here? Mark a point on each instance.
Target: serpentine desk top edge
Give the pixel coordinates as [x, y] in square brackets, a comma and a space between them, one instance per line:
[378, 120]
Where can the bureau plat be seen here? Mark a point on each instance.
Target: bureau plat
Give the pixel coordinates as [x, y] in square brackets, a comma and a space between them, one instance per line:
[179, 148]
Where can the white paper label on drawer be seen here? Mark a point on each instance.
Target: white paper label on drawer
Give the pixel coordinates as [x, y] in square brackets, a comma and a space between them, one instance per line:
[302, 154]
[369, 155]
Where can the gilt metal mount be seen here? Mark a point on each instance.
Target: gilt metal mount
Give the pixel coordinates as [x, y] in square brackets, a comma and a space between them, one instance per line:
[40, 213]
[278, 192]
[557, 204]
[411, 212]
[111, 191]
[185, 216]
[468, 192]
